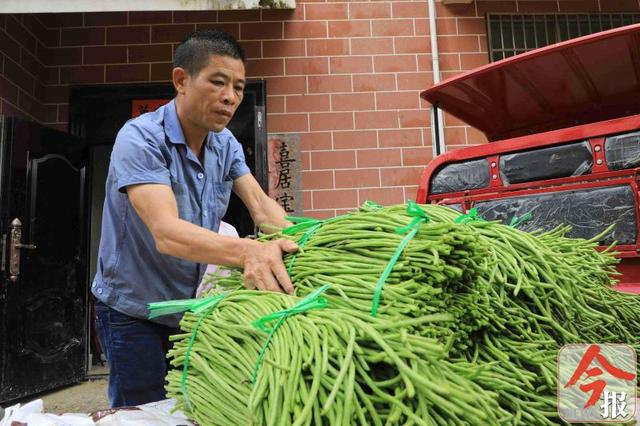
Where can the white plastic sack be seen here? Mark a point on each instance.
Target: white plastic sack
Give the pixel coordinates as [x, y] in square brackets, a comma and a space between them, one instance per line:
[32, 414]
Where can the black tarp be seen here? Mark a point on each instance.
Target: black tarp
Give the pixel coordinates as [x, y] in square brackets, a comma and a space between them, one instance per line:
[623, 151]
[461, 177]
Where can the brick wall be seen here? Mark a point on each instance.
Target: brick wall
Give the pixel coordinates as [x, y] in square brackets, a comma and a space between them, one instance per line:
[345, 75]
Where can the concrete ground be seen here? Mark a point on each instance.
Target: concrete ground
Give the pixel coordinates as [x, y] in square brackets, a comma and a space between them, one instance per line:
[85, 397]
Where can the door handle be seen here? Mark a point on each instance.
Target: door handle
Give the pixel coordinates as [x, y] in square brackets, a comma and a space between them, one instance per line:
[15, 247]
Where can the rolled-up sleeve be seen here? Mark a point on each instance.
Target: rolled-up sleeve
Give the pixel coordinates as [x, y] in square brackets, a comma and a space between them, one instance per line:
[138, 159]
[238, 163]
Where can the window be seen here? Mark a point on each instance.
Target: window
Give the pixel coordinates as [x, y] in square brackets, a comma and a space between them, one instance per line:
[513, 34]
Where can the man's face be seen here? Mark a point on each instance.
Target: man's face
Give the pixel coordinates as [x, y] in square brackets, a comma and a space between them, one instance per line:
[211, 97]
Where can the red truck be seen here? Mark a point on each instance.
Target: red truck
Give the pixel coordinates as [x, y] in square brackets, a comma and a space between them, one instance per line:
[563, 124]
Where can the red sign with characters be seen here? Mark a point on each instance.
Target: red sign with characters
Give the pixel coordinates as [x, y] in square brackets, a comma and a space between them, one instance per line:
[141, 106]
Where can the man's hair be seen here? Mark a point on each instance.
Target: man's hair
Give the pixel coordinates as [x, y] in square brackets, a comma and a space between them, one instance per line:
[194, 52]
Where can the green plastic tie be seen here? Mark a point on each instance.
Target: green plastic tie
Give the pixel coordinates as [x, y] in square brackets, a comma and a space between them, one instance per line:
[300, 224]
[313, 300]
[471, 216]
[369, 205]
[206, 304]
[419, 217]
[517, 221]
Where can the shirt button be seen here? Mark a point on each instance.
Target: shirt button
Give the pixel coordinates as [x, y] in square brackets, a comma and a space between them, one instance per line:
[99, 291]
[200, 176]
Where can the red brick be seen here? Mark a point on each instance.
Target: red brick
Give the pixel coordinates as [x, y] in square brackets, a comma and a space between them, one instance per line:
[425, 63]
[579, 6]
[10, 110]
[395, 63]
[264, 67]
[456, 10]
[82, 74]
[449, 62]
[374, 82]
[451, 120]
[30, 105]
[414, 81]
[331, 121]
[56, 94]
[473, 25]
[455, 136]
[16, 74]
[543, 6]
[306, 66]
[275, 104]
[151, 53]
[491, 6]
[189, 16]
[128, 35]
[296, 14]
[619, 6]
[320, 214]
[376, 120]
[306, 160]
[287, 123]
[475, 136]
[308, 103]
[470, 61]
[383, 196]
[353, 102]
[252, 49]
[286, 85]
[369, 10]
[330, 160]
[19, 33]
[66, 20]
[399, 138]
[483, 43]
[8, 90]
[82, 37]
[392, 27]
[161, 71]
[458, 44]
[329, 84]
[36, 27]
[150, 17]
[409, 9]
[445, 26]
[340, 198]
[421, 27]
[400, 176]
[355, 139]
[250, 15]
[50, 114]
[305, 29]
[9, 46]
[416, 156]
[349, 29]
[306, 201]
[52, 75]
[63, 56]
[357, 178]
[328, 47]
[414, 118]
[105, 55]
[104, 19]
[32, 65]
[123, 73]
[412, 44]
[364, 46]
[317, 179]
[283, 48]
[233, 29]
[63, 113]
[315, 141]
[351, 64]
[261, 30]
[170, 33]
[326, 11]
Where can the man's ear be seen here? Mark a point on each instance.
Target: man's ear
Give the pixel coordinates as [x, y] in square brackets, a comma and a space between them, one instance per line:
[180, 78]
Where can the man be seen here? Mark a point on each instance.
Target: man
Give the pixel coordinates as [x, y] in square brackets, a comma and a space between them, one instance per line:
[168, 187]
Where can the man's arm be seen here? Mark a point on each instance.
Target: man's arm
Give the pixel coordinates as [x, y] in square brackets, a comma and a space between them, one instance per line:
[265, 211]
[262, 262]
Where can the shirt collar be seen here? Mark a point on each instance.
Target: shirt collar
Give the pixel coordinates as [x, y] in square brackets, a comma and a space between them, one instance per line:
[173, 129]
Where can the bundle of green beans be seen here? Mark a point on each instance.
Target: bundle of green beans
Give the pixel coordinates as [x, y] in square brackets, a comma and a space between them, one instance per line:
[506, 301]
[328, 366]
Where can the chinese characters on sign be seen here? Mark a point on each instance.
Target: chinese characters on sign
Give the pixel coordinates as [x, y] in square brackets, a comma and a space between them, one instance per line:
[141, 106]
[596, 383]
[284, 172]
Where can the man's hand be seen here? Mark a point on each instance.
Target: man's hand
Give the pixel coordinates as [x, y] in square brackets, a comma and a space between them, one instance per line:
[264, 268]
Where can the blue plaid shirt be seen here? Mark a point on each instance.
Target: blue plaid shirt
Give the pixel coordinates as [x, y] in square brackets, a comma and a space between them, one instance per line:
[152, 149]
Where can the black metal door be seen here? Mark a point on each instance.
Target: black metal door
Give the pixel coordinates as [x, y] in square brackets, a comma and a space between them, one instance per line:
[43, 288]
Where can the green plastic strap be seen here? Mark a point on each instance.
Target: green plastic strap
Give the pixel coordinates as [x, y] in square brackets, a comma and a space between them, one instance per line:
[206, 304]
[517, 221]
[369, 205]
[301, 223]
[313, 300]
[471, 216]
[419, 217]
